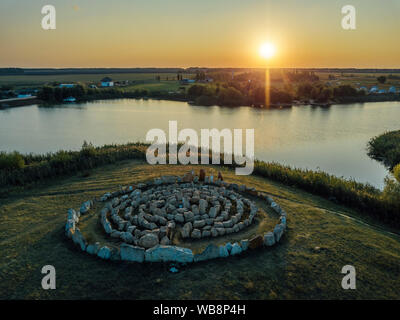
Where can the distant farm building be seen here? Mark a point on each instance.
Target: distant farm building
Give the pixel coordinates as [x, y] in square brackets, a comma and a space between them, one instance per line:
[107, 82]
[67, 85]
[363, 89]
[374, 89]
[24, 95]
[70, 99]
[187, 81]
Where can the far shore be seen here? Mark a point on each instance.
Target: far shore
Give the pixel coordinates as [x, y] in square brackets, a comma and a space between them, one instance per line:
[19, 102]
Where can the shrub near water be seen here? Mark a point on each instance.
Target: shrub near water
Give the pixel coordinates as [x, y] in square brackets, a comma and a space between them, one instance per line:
[386, 148]
[383, 206]
[10, 161]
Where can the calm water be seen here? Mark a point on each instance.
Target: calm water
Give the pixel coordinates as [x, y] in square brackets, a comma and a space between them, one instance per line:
[331, 139]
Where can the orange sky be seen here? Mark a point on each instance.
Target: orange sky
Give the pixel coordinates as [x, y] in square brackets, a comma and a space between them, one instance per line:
[212, 33]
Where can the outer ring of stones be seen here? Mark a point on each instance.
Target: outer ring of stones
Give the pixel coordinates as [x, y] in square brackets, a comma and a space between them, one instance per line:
[138, 251]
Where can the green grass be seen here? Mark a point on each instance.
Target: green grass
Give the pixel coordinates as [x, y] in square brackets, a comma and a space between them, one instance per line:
[162, 86]
[31, 236]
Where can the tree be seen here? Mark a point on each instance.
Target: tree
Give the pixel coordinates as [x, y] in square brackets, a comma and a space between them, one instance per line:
[381, 79]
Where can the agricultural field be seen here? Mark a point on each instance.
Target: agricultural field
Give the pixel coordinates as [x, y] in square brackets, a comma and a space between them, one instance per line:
[360, 79]
[29, 81]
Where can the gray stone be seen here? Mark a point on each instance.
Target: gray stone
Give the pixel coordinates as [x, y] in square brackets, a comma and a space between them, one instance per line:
[165, 241]
[213, 212]
[78, 239]
[223, 252]
[179, 218]
[104, 253]
[148, 241]
[236, 249]
[93, 248]
[269, 239]
[278, 232]
[199, 224]
[214, 232]
[85, 207]
[211, 252]
[196, 234]
[131, 253]
[244, 244]
[189, 216]
[203, 206]
[186, 230]
[127, 237]
[169, 254]
[206, 234]
[72, 215]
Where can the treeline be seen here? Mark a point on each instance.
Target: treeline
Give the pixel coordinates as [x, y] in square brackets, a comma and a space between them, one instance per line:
[21, 170]
[237, 94]
[382, 206]
[80, 92]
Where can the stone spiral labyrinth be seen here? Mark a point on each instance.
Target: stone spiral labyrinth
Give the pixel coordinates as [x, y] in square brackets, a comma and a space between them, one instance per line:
[194, 211]
[147, 217]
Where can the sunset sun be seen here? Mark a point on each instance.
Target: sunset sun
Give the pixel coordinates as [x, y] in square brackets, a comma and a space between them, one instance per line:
[267, 50]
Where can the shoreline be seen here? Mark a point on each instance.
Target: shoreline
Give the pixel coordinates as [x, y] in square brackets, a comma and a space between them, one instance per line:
[11, 103]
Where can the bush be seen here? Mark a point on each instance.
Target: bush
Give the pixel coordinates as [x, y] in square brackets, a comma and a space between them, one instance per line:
[386, 148]
[11, 161]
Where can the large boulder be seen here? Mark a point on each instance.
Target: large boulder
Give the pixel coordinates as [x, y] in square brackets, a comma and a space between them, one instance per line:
[199, 224]
[169, 254]
[269, 239]
[93, 248]
[127, 237]
[104, 253]
[186, 230]
[131, 253]
[244, 244]
[203, 206]
[223, 252]
[213, 212]
[70, 228]
[278, 232]
[72, 215]
[78, 239]
[236, 249]
[211, 252]
[85, 207]
[196, 234]
[148, 240]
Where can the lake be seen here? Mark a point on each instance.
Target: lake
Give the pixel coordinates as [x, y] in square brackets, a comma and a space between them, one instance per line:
[332, 139]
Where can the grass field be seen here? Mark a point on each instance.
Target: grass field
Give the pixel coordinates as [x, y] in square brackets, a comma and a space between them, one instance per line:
[39, 80]
[360, 79]
[322, 237]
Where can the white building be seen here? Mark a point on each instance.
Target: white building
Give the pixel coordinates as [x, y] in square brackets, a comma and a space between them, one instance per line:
[67, 85]
[373, 89]
[107, 82]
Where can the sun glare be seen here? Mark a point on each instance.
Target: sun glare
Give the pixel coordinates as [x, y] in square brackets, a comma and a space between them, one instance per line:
[267, 50]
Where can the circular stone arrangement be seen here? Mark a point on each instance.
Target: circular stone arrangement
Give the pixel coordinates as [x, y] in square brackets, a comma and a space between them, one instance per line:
[146, 218]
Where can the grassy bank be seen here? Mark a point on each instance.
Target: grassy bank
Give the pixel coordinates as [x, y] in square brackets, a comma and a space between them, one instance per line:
[321, 239]
[24, 170]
